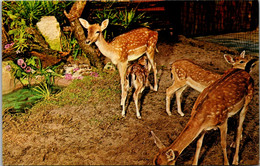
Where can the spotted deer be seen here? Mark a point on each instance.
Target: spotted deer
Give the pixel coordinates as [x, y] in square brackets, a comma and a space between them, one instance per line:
[137, 77]
[125, 47]
[222, 99]
[186, 73]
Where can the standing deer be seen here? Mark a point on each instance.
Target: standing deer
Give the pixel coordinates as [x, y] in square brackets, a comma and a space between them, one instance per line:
[186, 73]
[137, 77]
[219, 101]
[125, 47]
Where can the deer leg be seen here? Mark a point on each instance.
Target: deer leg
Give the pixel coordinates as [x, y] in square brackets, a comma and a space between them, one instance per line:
[122, 70]
[242, 115]
[239, 133]
[199, 144]
[169, 91]
[178, 99]
[150, 55]
[136, 93]
[124, 95]
[223, 135]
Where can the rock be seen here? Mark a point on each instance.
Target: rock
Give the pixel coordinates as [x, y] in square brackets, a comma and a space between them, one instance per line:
[62, 81]
[8, 79]
[50, 29]
[110, 67]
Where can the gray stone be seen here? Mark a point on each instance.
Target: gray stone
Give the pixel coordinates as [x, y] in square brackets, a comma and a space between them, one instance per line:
[50, 29]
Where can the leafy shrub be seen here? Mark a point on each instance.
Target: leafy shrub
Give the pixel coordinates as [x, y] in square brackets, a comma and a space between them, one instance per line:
[25, 70]
[122, 19]
[18, 15]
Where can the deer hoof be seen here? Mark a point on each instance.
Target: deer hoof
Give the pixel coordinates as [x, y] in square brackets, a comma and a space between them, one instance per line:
[169, 113]
[139, 117]
[235, 162]
[155, 88]
[123, 115]
[181, 113]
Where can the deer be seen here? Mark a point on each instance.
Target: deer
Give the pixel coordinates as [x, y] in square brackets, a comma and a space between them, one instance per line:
[225, 97]
[137, 77]
[124, 48]
[186, 73]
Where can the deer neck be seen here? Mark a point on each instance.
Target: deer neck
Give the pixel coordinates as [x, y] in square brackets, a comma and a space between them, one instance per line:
[190, 132]
[106, 49]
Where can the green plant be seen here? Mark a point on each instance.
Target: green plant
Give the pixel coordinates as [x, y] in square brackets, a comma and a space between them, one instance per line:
[18, 15]
[74, 46]
[70, 44]
[124, 19]
[127, 18]
[18, 26]
[20, 100]
[24, 71]
[44, 90]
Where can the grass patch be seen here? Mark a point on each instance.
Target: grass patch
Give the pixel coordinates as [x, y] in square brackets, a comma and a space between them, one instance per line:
[90, 90]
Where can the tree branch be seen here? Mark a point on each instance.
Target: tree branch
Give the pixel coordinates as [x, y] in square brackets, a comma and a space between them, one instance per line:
[73, 17]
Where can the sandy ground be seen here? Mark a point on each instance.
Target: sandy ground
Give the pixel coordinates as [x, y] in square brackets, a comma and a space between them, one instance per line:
[96, 134]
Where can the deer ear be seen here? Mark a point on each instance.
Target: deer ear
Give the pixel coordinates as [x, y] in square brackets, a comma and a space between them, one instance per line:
[170, 155]
[242, 55]
[229, 59]
[84, 23]
[104, 24]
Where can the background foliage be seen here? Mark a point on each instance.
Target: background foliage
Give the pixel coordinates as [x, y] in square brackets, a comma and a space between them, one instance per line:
[18, 15]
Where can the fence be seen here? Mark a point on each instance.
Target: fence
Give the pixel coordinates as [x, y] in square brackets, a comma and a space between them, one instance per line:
[194, 18]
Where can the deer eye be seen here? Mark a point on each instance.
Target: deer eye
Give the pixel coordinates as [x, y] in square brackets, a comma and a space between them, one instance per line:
[242, 62]
[98, 32]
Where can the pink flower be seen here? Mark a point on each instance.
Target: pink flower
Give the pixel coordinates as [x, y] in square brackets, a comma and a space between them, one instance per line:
[23, 65]
[28, 69]
[8, 45]
[68, 77]
[20, 62]
[94, 74]
[80, 77]
[8, 67]
[75, 69]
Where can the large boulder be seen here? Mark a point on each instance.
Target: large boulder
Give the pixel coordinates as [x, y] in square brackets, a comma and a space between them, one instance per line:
[8, 84]
[50, 29]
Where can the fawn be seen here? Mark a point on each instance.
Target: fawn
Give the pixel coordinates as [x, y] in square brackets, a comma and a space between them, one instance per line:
[137, 77]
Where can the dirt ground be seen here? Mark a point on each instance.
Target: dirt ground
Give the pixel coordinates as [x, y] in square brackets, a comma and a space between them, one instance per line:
[96, 134]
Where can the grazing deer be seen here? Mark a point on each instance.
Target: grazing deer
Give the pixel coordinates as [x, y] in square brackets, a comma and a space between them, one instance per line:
[186, 73]
[219, 101]
[137, 77]
[125, 47]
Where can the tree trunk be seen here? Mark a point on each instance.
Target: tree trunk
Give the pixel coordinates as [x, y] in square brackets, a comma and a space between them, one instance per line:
[73, 17]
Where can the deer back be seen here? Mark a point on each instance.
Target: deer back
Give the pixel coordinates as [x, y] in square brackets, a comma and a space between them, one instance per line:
[134, 40]
[184, 69]
[224, 96]
[138, 71]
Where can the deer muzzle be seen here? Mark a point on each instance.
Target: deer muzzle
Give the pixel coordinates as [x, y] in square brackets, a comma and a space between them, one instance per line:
[88, 42]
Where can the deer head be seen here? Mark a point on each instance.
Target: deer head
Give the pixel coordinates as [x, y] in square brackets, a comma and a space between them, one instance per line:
[165, 156]
[144, 62]
[94, 30]
[241, 62]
